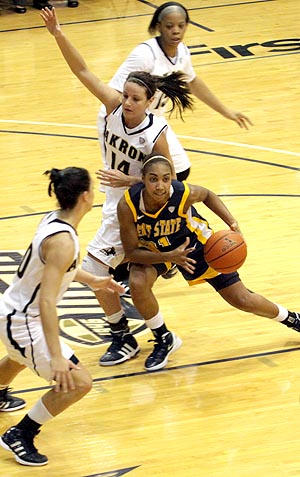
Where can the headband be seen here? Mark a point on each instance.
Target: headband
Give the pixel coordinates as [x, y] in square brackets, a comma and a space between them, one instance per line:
[171, 9]
[138, 80]
[157, 157]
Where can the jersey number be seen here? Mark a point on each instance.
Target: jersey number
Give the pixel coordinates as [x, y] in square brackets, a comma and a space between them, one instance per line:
[24, 262]
[123, 166]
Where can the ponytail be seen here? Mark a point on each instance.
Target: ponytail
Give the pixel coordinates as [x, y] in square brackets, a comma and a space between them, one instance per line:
[177, 89]
[174, 86]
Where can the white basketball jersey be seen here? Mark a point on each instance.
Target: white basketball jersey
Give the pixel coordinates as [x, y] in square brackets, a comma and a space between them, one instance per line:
[23, 294]
[126, 148]
[149, 57]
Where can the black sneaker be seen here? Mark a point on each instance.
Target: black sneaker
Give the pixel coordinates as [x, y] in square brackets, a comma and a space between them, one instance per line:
[163, 347]
[292, 321]
[20, 442]
[42, 4]
[123, 347]
[171, 272]
[10, 403]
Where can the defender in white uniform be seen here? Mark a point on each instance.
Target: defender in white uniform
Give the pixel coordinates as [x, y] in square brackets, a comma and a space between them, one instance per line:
[125, 150]
[22, 332]
[28, 315]
[150, 57]
[162, 55]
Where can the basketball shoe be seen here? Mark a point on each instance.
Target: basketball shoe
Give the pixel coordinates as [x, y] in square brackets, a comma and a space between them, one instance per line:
[123, 345]
[171, 272]
[42, 4]
[20, 442]
[164, 346]
[10, 403]
[125, 285]
[292, 321]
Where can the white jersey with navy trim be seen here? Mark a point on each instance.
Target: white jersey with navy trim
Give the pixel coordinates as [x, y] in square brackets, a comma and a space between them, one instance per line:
[125, 150]
[23, 294]
[127, 147]
[149, 57]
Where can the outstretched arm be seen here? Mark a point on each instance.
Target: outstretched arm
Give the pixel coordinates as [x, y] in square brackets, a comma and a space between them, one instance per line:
[116, 178]
[214, 203]
[107, 284]
[202, 92]
[107, 95]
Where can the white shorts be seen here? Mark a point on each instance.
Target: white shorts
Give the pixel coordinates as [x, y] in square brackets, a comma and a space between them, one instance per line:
[106, 246]
[25, 342]
[178, 154]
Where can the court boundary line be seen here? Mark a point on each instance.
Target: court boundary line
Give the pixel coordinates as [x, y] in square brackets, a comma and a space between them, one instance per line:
[122, 17]
[257, 161]
[175, 368]
[180, 136]
[95, 206]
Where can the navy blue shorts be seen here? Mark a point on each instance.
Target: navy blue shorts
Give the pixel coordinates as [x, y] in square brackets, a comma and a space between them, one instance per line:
[219, 282]
[223, 280]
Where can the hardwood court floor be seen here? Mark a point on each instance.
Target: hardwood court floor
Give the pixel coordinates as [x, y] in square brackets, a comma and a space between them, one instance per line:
[228, 402]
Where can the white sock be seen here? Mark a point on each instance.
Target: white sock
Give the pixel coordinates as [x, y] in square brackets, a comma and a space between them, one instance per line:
[155, 322]
[39, 413]
[282, 313]
[116, 317]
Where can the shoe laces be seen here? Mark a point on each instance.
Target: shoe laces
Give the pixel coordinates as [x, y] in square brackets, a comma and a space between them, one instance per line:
[294, 318]
[117, 340]
[160, 346]
[26, 440]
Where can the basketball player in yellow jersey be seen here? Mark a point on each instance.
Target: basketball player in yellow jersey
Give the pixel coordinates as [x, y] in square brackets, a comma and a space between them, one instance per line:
[160, 226]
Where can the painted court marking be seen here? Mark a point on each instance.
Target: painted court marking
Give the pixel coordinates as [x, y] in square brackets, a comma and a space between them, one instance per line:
[192, 138]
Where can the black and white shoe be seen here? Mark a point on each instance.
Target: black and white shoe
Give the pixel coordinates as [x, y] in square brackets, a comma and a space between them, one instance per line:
[171, 272]
[126, 293]
[163, 347]
[293, 320]
[41, 4]
[20, 442]
[9, 403]
[123, 347]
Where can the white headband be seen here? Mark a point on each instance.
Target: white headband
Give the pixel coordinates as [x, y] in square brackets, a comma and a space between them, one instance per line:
[171, 9]
[157, 157]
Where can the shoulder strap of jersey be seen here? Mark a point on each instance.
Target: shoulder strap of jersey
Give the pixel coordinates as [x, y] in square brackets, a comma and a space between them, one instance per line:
[185, 195]
[130, 204]
[151, 49]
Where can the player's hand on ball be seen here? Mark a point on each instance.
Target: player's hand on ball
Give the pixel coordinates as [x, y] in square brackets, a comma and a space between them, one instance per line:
[180, 256]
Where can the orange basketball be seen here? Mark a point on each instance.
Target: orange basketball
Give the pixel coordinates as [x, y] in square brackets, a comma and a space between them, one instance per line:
[225, 251]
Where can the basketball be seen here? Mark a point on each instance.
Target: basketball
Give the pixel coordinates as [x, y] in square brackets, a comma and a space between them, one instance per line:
[225, 251]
